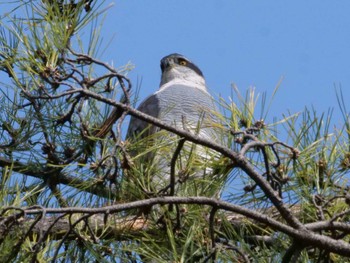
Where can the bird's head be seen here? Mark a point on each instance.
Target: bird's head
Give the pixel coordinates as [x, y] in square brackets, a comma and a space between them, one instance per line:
[177, 69]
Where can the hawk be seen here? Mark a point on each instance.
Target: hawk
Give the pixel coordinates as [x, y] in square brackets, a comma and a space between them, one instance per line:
[184, 102]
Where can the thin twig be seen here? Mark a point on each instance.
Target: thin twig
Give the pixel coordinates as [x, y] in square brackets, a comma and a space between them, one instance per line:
[173, 165]
[212, 231]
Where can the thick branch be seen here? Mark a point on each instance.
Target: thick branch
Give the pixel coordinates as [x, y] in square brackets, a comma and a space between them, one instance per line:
[305, 236]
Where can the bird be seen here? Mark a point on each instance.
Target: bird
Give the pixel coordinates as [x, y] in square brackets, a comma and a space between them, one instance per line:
[182, 101]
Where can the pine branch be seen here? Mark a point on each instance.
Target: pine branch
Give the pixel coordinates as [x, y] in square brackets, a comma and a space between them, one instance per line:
[41, 172]
[106, 221]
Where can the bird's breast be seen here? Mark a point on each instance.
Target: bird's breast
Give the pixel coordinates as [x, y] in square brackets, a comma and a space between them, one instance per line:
[178, 102]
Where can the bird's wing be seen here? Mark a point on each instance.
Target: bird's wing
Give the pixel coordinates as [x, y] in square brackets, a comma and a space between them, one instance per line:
[149, 106]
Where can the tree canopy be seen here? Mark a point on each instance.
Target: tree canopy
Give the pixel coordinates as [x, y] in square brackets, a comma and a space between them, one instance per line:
[73, 189]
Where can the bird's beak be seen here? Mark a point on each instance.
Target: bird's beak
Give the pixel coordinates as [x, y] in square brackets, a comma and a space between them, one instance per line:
[166, 64]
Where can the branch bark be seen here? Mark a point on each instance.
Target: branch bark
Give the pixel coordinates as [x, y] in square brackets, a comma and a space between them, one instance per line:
[120, 226]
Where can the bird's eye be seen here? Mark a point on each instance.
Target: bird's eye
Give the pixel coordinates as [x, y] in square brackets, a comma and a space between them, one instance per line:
[182, 62]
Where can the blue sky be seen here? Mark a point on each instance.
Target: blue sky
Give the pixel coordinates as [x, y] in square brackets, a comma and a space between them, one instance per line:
[248, 43]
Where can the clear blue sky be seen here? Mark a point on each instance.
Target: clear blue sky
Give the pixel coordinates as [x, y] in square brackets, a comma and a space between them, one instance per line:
[249, 43]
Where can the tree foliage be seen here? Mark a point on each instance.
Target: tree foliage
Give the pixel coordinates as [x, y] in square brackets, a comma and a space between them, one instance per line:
[73, 189]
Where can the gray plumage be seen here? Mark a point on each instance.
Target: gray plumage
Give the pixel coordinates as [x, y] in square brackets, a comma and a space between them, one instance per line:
[178, 105]
[181, 101]
[182, 97]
